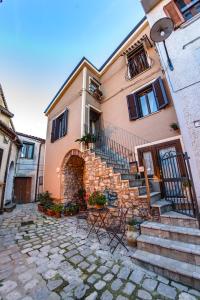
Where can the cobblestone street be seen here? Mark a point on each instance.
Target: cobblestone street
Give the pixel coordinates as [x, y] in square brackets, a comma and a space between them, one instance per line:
[49, 260]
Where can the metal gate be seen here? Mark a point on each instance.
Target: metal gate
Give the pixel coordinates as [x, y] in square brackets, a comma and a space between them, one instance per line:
[177, 183]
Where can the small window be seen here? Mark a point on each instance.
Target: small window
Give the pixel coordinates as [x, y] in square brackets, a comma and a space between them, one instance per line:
[188, 8]
[147, 102]
[137, 62]
[27, 150]
[1, 156]
[59, 126]
[93, 86]
[40, 180]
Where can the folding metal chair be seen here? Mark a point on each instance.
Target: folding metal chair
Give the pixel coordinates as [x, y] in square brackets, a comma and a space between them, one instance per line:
[116, 228]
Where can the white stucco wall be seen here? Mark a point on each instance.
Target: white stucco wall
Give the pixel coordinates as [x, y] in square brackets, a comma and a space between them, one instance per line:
[184, 50]
[28, 167]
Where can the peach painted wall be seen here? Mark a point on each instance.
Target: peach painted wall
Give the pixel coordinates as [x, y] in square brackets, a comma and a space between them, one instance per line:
[114, 106]
[55, 152]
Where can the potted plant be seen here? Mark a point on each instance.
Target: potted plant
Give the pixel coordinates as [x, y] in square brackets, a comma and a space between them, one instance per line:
[57, 208]
[44, 199]
[174, 126]
[97, 199]
[71, 209]
[100, 200]
[87, 139]
[132, 232]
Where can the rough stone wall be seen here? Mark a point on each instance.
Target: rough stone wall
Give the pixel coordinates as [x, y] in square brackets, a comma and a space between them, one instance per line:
[73, 177]
[97, 177]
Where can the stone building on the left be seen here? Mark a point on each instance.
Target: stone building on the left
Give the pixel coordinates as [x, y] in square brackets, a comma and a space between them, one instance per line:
[9, 147]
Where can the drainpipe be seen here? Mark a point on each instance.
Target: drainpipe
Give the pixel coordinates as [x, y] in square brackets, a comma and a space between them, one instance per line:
[37, 173]
[83, 104]
[5, 178]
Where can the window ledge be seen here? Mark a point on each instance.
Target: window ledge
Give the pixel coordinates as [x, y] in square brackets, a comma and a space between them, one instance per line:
[148, 115]
[190, 21]
[132, 78]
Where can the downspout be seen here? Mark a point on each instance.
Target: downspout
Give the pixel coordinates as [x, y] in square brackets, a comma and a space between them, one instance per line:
[5, 178]
[37, 173]
[83, 104]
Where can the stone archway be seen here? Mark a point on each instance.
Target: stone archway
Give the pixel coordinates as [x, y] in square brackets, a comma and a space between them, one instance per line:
[72, 175]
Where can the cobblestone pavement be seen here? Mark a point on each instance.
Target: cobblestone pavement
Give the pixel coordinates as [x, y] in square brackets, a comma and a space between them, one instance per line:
[49, 260]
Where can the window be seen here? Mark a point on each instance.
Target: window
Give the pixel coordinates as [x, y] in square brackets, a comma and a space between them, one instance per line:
[93, 86]
[182, 10]
[137, 62]
[59, 126]
[188, 8]
[27, 150]
[40, 180]
[1, 156]
[147, 101]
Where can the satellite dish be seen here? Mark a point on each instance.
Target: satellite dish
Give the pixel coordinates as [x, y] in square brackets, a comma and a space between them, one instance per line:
[160, 31]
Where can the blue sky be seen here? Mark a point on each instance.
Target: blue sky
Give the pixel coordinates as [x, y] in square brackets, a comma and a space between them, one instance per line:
[41, 41]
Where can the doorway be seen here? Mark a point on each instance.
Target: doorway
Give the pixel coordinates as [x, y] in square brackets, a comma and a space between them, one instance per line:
[152, 156]
[94, 121]
[22, 190]
[9, 184]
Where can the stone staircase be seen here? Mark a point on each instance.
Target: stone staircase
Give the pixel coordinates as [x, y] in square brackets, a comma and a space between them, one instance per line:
[120, 165]
[171, 249]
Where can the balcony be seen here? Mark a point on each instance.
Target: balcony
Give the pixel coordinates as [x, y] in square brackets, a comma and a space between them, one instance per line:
[95, 92]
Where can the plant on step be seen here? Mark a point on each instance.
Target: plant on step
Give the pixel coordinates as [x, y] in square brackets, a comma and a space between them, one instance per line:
[133, 231]
[81, 198]
[87, 139]
[174, 126]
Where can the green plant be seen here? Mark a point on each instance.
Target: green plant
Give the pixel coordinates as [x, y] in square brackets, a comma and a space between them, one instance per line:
[186, 183]
[133, 222]
[57, 208]
[43, 198]
[87, 138]
[97, 198]
[174, 126]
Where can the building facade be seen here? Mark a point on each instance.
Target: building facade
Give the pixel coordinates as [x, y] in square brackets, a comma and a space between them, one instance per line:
[129, 103]
[184, 50]
[29, 169]
[9, 147]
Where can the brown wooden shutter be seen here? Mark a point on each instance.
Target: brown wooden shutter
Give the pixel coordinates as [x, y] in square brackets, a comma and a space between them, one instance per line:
[160, 93]
[1, 156]
[53, 131]
[132, 107]
[66, 121]
[172, 11]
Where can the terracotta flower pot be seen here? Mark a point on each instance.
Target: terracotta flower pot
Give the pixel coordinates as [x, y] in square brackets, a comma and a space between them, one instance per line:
[99, 206]
[50, 212]
[57, 215]
[40, 208]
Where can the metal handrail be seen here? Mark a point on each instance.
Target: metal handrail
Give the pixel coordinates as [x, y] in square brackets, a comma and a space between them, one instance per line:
[113, 151]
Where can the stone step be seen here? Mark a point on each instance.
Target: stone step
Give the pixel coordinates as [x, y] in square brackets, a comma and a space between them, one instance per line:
[185, 252]
[9, 207]
[162, 206]
[114, 164]
[178, 219]
[176, 233]
[121, 170]
[136, 182]
[175, 270]
[128, 177]
[155, 196]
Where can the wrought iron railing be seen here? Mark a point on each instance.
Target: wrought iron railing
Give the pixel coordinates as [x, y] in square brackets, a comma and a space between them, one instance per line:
[122, 136]
[113, 151]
